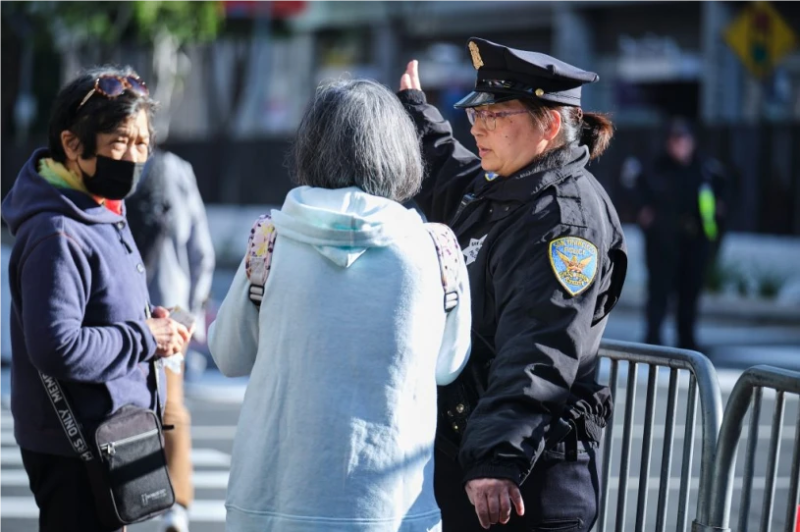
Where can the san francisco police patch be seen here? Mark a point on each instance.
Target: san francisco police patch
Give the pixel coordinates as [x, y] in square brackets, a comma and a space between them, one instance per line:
[574, 261]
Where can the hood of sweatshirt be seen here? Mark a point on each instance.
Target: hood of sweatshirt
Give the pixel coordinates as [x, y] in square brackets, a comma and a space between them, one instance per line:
[343, 223]
[31, 194]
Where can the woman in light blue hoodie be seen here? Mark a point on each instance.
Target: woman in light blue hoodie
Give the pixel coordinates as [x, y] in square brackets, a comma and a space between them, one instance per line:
[351, 338]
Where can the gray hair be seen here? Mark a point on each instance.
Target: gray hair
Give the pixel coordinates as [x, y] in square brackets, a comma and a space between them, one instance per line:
[357, 133]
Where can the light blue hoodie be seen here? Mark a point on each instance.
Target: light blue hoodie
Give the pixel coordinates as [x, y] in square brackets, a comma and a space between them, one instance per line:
[338, 422]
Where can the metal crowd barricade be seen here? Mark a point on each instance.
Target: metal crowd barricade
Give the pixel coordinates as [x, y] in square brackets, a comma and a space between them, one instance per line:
[717, 493]
[702, 382]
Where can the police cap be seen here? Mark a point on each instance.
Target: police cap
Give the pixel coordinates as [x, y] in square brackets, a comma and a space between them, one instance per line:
[508, 74]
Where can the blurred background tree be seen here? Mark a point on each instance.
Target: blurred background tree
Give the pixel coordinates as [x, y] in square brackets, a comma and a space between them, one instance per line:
[90, 23]
[79, 34]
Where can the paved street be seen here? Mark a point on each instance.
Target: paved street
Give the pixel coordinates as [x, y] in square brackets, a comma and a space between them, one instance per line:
[213, 428]
[215, 403]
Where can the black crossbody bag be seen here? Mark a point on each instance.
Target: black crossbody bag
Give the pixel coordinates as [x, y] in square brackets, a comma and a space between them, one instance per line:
[125, 460]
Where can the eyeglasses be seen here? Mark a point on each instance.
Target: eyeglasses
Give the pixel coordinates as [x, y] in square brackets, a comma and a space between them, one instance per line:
[112, 86]
[489, 118]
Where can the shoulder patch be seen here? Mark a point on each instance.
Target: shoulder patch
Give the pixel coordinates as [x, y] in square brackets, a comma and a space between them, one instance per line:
[574, 261]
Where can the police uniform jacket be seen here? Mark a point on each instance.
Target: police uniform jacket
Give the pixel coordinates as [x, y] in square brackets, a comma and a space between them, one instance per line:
[535, 337]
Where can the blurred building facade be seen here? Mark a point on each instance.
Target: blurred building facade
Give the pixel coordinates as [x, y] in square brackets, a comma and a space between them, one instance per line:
[239, 98]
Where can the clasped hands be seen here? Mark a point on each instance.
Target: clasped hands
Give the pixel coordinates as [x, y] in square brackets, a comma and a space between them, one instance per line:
[171, 336]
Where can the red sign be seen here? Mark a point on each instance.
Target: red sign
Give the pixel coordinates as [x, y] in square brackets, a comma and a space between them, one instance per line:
[252, 9]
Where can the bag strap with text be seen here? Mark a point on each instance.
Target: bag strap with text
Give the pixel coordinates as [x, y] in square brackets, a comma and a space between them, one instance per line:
[66, 416]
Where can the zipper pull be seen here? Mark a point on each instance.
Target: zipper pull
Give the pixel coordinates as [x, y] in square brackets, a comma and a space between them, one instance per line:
[111, 449]
[466, 200]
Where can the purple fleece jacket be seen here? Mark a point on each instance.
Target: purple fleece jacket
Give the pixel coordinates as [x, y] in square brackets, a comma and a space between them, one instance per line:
[79, 299]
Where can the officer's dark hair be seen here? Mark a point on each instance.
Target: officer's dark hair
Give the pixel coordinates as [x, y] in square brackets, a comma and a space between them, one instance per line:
[98, 115]
[357, 133]
[592, 129]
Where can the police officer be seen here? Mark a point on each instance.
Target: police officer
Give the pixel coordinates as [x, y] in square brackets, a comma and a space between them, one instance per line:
[519, 431]
[681, 208]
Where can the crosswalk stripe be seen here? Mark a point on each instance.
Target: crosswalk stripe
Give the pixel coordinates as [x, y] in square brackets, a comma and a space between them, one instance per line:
[19, 507]
[7, 438]
[10, 456]
[759, 483]
[14, 478]
[203, 432]
[210, 479]
[202, 511]
[210, 458]
[212, 432]
[219, 480]
[637, 431]
[208, 511]
[6, 422]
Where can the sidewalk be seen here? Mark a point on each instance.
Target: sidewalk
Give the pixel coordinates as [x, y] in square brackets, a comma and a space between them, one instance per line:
[728, 307]
[753, 256]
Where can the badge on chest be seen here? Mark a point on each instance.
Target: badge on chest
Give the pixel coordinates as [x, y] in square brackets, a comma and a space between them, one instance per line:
[574, 261]
[471, 251]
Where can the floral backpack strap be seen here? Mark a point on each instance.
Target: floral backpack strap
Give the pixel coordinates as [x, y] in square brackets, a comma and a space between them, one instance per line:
[258, 260]
[448, 251]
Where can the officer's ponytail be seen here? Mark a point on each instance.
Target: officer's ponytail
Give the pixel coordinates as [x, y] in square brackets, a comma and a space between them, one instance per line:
[592, 129]
[596, 133]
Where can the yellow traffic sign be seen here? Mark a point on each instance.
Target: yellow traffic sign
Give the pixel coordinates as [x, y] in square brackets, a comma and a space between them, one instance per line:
[760, 37]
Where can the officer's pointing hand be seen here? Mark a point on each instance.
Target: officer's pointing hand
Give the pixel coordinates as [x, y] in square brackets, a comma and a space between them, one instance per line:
[410, 80]
[493, 499]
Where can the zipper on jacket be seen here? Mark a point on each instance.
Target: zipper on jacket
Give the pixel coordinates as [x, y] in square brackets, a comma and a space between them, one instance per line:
[110, 448]
[469, 200]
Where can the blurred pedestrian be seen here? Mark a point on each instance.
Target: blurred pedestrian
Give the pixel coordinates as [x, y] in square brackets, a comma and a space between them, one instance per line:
[80, 307]
[519, 430]
[681, 211]
[351, 337]
[168, 222]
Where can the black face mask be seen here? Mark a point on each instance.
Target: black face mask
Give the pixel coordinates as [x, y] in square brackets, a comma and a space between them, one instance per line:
[113, 179]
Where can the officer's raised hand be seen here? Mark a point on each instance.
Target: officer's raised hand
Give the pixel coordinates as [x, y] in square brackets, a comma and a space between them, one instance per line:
[410, 80]
[493, 499]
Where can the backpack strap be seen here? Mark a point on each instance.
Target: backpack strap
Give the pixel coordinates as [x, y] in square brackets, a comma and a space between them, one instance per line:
[261, 244]
[258, 261]
[448, 251]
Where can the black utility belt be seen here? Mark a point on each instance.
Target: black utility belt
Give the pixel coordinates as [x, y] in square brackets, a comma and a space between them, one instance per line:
[453, 422]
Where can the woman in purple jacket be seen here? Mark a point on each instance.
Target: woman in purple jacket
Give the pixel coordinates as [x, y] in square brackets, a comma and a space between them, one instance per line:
[80, 306]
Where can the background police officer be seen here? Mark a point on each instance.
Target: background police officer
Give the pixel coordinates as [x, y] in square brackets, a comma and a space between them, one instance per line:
[546, 258]
[681, 212]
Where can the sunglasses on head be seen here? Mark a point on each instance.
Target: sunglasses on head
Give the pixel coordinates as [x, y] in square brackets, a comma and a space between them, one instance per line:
[112, 86]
